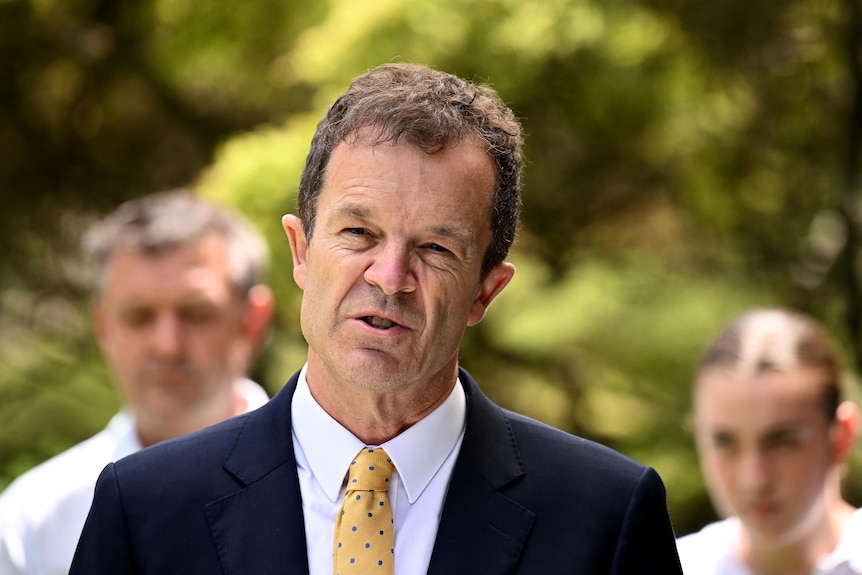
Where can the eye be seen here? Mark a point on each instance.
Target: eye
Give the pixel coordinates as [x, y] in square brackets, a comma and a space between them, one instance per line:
[356, 231]
[437, 248]
[198, 314]
[722, 442]
[786, 439]
[137, 317]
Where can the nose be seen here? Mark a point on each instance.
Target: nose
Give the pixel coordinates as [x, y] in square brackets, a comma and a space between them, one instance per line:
[390, 270]
[755, 473]
[167, 335]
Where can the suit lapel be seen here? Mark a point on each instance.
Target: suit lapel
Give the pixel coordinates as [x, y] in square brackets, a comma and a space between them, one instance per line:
[481, 530]
[268, 506]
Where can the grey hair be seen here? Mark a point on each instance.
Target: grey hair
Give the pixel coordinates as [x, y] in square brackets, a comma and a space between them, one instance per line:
[165, 221]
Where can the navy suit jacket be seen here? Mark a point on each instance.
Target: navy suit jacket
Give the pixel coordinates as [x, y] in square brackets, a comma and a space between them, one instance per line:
[524, 498]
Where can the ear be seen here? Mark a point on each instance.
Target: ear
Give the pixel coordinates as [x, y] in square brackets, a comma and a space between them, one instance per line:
[497, 279]
[298, 246]
[258, 316]
[844, 431]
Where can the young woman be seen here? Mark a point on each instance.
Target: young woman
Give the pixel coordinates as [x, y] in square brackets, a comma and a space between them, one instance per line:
[772, 433]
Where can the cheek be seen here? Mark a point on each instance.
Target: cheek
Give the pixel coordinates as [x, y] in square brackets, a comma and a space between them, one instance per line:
[720, 477]
[315, 306]
[719, 471]
[807, 470]
[217, 341]
[122, 348]
[447, 314]
[323, 280]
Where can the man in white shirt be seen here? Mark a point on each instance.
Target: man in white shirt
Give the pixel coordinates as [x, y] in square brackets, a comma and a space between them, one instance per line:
[407, 208]
[180, 311]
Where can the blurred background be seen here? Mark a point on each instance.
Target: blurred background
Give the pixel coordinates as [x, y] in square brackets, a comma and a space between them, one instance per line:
[686, 161]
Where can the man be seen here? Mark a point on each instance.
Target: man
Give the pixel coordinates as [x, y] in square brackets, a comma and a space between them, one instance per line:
[179, 311]
[407, 207]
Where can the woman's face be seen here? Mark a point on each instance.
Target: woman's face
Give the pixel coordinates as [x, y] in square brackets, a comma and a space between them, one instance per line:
[766, 448]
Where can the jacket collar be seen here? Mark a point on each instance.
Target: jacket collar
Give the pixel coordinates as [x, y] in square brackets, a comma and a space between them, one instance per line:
[259, 528]
[481, 530]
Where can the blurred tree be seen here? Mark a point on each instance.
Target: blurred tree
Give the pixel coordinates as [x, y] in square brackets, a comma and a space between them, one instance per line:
[102, 101]
[685, 162]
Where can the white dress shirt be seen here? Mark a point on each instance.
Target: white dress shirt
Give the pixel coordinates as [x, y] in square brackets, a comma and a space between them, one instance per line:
[711, 551]
[424, 456]
[43, 511]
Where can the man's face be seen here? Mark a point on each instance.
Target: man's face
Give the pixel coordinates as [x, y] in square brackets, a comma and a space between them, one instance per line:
[171, 327]
[765, 446]
[391, 274]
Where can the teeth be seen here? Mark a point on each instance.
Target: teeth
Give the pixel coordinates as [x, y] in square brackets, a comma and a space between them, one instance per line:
[379, 322]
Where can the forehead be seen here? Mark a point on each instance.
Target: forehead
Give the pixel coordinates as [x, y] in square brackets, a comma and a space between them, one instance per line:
[402, 172]
[734, 400]
[201, 266]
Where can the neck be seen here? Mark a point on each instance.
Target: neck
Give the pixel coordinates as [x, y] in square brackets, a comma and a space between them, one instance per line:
[375, 416]
[798, 555]
[154, 429]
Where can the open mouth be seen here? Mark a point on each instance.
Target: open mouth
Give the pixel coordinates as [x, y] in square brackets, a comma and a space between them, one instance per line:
[378, 322]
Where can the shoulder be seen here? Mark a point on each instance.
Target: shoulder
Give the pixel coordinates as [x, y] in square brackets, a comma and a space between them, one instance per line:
[497, 437]
[708, 551]
[585, 474]
[187, 454]
[248, 445]
[849, 542]
[490, 424]
[44, 509]
[545, 441]
[41, 489]
[613, 506]
[178, 476]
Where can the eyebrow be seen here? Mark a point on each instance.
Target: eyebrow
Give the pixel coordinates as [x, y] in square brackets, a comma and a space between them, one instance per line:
[460, 235]
[779, 430]
[798, 429]
[350, 211]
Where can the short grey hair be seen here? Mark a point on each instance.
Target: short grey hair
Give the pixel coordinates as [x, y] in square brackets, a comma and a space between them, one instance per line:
[169, 220]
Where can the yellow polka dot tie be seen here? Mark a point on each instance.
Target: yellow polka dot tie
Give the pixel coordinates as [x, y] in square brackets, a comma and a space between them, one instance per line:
[364, 531]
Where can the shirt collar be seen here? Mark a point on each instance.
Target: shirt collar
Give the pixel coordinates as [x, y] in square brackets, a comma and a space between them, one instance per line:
[418, 452]
[122, 429]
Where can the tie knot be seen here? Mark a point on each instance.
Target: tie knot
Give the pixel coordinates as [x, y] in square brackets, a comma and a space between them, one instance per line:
[371, 470]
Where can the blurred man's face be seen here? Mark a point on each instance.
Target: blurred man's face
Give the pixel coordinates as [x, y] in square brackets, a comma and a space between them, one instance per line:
[171, 327]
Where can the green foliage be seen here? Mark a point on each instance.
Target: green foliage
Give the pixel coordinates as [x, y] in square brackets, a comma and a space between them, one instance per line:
[685, 161]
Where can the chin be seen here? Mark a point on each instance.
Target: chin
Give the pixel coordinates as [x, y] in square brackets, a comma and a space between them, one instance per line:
[771, 532]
